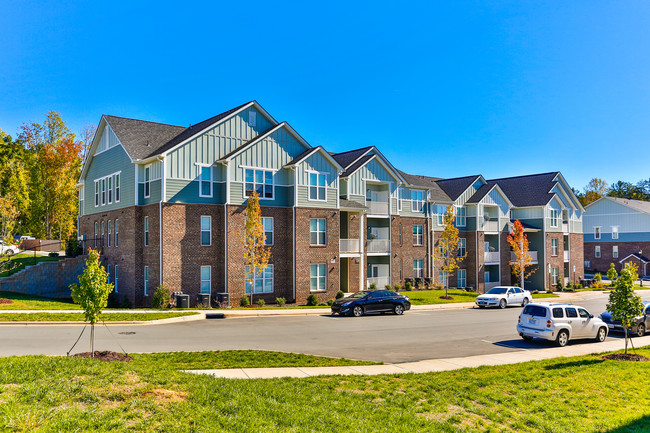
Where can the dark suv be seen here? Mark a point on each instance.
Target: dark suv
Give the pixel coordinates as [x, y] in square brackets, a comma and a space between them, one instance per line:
[640, 325]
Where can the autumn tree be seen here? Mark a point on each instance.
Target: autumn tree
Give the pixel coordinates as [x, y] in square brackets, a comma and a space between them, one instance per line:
[14, 178]
[256, 253]
[595, 189]
[623, 303]
[448, 248]
[519, 243]
[8, 214]
[86, 136]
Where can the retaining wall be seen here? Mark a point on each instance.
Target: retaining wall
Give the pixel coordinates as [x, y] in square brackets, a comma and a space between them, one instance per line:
[47, 279]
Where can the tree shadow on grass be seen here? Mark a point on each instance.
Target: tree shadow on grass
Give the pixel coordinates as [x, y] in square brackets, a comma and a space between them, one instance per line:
[642, 425]
[581, 363]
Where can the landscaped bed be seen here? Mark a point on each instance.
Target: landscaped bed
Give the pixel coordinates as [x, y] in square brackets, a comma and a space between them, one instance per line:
[579, 394]
[79, 317]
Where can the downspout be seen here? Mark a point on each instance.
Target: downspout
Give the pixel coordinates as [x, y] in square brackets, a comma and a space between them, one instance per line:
[293, 226]
[477, 249]
[161, 158]
[225, 231]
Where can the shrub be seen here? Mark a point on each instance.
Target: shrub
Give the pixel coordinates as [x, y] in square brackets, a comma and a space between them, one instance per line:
[312, 300]
[113, 300]
[388, 287]
[73, 248]
[53, 254]
[280, 301]
[330, 302]
[160, 298]
[560, 286]
[244, 302]
[372, 286]
[340, 294]
[261, 302]
[577, 286]
[408, 286]
[398, 287]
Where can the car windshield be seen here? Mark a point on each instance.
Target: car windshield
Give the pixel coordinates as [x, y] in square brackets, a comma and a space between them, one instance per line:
[497, 291]
[358, 295]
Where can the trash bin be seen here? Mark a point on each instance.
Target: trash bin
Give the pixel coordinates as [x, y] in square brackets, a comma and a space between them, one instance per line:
[182, 301]
[203, 299]
[223, 298]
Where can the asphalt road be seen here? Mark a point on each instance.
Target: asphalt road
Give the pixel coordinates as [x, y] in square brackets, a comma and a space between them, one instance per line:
[416, 335]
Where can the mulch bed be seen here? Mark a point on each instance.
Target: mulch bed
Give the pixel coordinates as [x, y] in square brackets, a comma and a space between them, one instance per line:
[5, 301]
[105, 355]
[624, 357]
[446, 297]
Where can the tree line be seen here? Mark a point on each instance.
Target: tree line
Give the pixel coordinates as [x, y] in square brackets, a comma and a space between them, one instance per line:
[38, 173]
[597, 188]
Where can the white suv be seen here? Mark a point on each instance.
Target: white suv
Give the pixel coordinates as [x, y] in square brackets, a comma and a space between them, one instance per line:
[559, 323]
[8, 249]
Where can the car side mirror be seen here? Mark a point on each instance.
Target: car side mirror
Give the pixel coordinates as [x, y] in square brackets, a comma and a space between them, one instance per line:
[591, 316]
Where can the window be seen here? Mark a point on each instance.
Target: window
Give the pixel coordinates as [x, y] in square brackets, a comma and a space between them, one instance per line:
[400, 197]
[596, 232]
[558, 313]
[462, 248]
[461, 216]
[110, 234]
[146, 281]
[103, 191]
[587, 263]
[583, 313]
[146, 231]
[318, 277]
[117, 188]
[263, 283]
[441, 215]
[571, 312]
[205, 181]
[417, 201]
[317, 186]
[206, 280]
[267, 223]
[317, 233]
[147, 181]
[260, 181]
[615, 251]
[116, 278]
[108, 274]
[95, 237]
[614, 232]
[442, 277]
[110, 189]
[102, 243]
[418, 237]
[96, 193]
[554, 248]
[554, 217]
[554, 275]
[462, 278]
[117, 230]
[252, 118]
[597, 251]
[418, 268]
[206, 230]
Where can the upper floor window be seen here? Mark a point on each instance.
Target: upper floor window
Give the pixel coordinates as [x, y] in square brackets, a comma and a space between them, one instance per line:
[260, 181]
[206, 230]
[462, 247]
[597, 251]
[96, 193]
[596, 232]
[117, 188]
[418, 236]
[103, 191]
[117, 231]
[318, 186]
[267, 223]
[554, 218]
[317, 277]
[110, 234]
[110, 189]
[614, 232]
[441, 215]
[317, 233]
[147, 181]
[417, 201]
[554, 247]
[461, 216]
[205, 181]
[615, 251]
[400, 198]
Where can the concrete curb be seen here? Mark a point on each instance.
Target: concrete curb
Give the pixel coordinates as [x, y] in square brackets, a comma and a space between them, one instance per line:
[198, 316]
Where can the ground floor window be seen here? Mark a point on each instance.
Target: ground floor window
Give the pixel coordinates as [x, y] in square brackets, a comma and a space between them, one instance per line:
[462, 278]
[262, 283]
[116, 276]
[206, 280]
[318, 277]
[555, 272]
[615, 251]
[597, 251]
[146, 281]
[108, 274]
[587, 263]
[418, 268]
[442, 277]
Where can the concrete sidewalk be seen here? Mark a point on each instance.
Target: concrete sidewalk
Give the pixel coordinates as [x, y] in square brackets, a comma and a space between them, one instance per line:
[426, 366]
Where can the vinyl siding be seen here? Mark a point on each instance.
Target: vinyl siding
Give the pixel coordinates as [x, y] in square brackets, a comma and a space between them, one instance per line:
[633, 225]
[187, 191]
[374, 171]
[154, 193]
[303, 198]
[283, 195]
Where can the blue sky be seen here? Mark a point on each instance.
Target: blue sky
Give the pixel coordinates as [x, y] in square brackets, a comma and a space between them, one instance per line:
[447, 88]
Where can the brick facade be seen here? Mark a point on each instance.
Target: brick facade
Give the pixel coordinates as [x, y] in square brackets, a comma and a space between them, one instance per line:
[606, 257]
[404, 251]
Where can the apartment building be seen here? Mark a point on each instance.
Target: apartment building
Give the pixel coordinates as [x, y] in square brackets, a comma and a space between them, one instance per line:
[166, 205]
[617, 230]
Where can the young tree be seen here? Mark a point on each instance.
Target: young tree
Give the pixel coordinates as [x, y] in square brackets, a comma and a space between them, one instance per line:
[92, 292]
[448, 248]
[256, 253]
[612, 274]
[519, 243]
[623, 303]
[595, 189]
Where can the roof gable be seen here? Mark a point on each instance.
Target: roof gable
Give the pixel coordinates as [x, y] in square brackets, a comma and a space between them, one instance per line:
[529, 190]
[436, 194]
[455, 187]
[284, 125]
[309, 152]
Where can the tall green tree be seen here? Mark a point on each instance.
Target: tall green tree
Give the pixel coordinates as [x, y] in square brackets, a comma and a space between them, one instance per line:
[256, 252]
[623, 303]
[595, 189]
[448, 248]
[611, 274]
[14, 178]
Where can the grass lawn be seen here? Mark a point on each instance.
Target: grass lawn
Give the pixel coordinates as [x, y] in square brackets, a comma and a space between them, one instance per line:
[544, 295]
[24, 259]
[28, 302]
[79, 317]
[580, 394]
[428, 297]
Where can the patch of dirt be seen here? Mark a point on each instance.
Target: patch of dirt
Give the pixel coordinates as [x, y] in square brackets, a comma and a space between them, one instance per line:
[446, 297]
[624, 357]
[167, 395]
[5, 301]
[105, 355]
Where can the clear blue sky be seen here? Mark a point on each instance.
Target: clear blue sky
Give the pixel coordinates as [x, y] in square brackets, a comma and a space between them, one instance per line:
[446, 88]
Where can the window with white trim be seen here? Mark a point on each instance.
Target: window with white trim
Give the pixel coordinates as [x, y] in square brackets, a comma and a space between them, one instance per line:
[400, 198]
[117, 231]
[117, 188]
[206, 230]
[461, 216]
[262, 283]
[95, 237]
[615, 251]
[596, 232]
[417, 201]
[462, 248]
[116, 278]
[317, 231]
[318, 277]
[614, 232]
[554, 247]
[317, 186]
[418, 235]
[103, 191]
[462, 278]
[103, 227]
[206, 280]
[442, 278]
[267, 224]
[205, 181]
[147, 181]
[110, 234]
[110, 189]
[554, 218]
[146, 281]
[418, 268]
[555, 273]
[258, 180]
[587, 263]
[96, 193]
[441, 215]
[146, 231]
[597, 251]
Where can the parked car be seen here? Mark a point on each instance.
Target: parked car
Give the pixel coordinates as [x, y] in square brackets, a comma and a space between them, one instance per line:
[371, 301]
[502, 296]
[560, 323]
[9, 250]
[640, 325]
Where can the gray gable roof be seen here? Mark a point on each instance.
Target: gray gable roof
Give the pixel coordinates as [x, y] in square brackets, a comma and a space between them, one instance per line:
[643, 206]
[456, 186]
[529, 190]
[140, 138]
[347, 158]
[436, 193]
[481, 192]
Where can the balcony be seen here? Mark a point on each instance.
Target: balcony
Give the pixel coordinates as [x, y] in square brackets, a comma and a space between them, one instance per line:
[349, 246]
[492, 257]
[491, 285]
[378, 246]
[533, 256]
[565, 227]
[566, 256]
[377, 208]
[491, 226]
[380, 282]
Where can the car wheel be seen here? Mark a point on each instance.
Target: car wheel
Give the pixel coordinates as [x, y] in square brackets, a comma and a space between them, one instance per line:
[527, 338]
[602, 335]
[640, 330]
[398, 309]
[10, 252]
[562, 338]
[526, 301]
[357, 311]
[503, 304]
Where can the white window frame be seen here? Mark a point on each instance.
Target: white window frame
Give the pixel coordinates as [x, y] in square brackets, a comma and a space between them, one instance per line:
[418, 268]
[597, 251]
[461, 279]
[146, 281]
[417, 200]
[555, 274]
[400, 198]
[147, 181]
[318, 277]
[117, 231]
[109, 181]
[317, 187]
[96, 232]
[103, 191]
[587, 263]
[554, 247]
[317, 231]
[614, 232]
[418, 235]
[442, 276]
[110, 234]
[615, 251]
[462, 247]
[461, 217]
[209, 230]
[256, 184]
[263, 277]
[208, 281]
[554, 217]
[597, 232]
[266, 220]
[97, 183]
[201, 181]
[116, 278]
[442, 210]
[146, 231]
[103, 231]
[116, 184]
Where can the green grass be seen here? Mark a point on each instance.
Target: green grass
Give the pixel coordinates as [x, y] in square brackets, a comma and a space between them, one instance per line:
[24, 259]
[544, 295]
[579, 394]
[28, 302]
[79, 317]
[428, 297]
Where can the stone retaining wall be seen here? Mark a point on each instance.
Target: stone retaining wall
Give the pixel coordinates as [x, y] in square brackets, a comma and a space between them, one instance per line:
[47, 279]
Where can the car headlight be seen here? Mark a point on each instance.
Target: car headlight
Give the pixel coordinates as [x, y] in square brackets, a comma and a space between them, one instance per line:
[345, 304]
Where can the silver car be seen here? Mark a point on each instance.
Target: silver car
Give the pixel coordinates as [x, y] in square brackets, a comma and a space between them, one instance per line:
[560, 323]
[502, 296]
[8, 249]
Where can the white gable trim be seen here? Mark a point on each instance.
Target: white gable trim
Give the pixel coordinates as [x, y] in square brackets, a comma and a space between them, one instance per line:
[103, 123]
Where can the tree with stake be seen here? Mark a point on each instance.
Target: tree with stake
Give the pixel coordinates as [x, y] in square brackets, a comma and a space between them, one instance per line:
[448, 248]
[611, 274]
[623, 303]
[256, 253]
[519, 243]
[92, 292]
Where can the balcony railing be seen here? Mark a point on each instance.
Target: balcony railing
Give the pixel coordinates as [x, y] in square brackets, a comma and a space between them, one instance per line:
[491, 284]
[380, 282]
[349, 246]
[566, 256]
[492, 257]
[533, 256]
[565, 227]
[377, 207]
[379, 246]
[491, 226]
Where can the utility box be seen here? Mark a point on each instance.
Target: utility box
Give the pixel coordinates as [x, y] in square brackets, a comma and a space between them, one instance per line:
[182, 301]
[203, 299]
[223, 298]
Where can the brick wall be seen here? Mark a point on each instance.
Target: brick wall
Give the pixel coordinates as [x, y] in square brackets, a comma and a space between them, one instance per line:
[602, 264]
[554, 261]
[506, 271]
[404, 253]
[576, 257]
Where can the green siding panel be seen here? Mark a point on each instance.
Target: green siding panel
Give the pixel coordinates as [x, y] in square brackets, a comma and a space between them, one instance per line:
[187, 191]
[303, 198]
[283, 195]
[154, 193]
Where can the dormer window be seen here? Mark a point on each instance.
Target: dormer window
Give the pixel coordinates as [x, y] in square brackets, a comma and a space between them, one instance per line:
[205, 181]
[317, 186]
[252, 119]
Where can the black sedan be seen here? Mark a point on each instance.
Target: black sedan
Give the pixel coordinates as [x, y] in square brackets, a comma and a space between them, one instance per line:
[640, 325]
[375, 301]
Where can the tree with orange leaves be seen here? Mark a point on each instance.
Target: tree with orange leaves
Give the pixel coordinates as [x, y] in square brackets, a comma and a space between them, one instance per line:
[519, 243]
[256, 253]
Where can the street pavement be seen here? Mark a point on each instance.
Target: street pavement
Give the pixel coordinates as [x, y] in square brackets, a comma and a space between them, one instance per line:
[415, 336]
